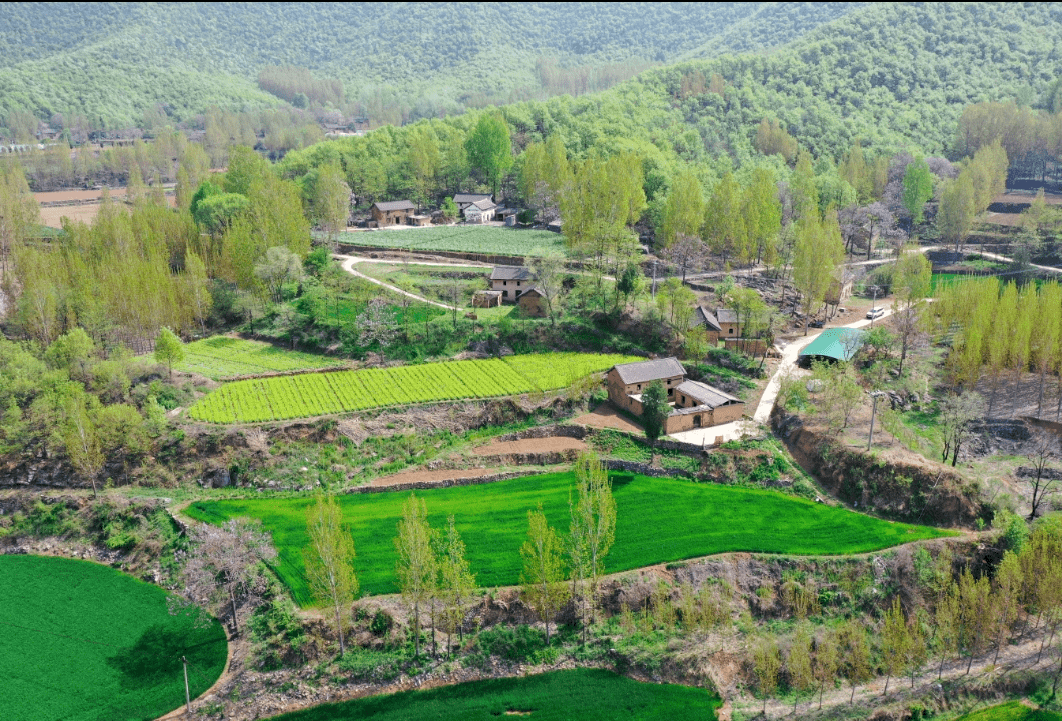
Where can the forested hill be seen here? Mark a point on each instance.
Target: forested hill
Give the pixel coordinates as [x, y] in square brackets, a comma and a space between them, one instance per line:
[891, 74]
[112, 61]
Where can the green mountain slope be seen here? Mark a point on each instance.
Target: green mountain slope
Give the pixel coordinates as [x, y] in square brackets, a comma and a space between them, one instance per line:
[893, 74]
[110, 61]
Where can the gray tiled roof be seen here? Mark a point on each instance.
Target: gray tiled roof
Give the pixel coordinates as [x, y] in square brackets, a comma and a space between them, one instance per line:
[510, 272]
[470, 197]
[651, 370]
[703, 316]
[705, 395]
[484, 204]
[726, 315]
[395, 205]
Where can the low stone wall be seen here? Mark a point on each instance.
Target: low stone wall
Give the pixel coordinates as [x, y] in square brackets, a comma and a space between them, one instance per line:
[644, 469]
[557, 430]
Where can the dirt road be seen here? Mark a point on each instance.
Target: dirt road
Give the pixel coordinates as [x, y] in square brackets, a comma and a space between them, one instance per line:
[789, 357]
[347, 262]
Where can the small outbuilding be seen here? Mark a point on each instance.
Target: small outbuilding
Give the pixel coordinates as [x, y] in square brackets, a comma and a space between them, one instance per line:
[833, 344]
[702, 317]
[533, 303]
[486, 299]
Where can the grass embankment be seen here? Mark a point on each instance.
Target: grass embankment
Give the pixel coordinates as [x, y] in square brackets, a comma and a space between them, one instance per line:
[1013, 711]
[224, 357]
[304, 396]
[84, 642]
[659, 519]
[586, 694]
[490, 240]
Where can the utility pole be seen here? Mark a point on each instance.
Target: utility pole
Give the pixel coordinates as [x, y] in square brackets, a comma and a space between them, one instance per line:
[874, 303]
[187, 695]
[873, 411]
[654, 280]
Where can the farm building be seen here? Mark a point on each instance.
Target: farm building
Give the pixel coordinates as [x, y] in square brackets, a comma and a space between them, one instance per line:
[694, 404]
[704, 317]
[463, 200]
[392, 212]
[486, 299]
[533, 303]
[511, 281]
[833, 344]
[481, 211]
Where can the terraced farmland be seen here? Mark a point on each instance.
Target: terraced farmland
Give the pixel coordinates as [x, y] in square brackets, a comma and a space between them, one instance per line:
[224, 357]
[491, 240]
[286, 397]
[657, 520]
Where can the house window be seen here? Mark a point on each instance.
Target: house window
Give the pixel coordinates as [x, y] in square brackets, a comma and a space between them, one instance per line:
[683, 399]
[730, 331]
[639, 386]
[505, 282]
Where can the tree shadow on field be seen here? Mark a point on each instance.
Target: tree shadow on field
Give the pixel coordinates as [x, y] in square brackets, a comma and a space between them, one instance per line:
[156, 655]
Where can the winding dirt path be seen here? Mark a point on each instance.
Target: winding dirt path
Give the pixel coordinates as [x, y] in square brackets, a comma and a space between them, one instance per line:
[349, 261]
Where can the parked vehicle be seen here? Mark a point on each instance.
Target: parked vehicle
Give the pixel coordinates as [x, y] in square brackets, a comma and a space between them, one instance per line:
[875, 313]
[817, 324]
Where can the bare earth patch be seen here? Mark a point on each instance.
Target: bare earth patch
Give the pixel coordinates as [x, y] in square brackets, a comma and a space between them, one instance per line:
[429, 476]
[605, 416]
[531, 445]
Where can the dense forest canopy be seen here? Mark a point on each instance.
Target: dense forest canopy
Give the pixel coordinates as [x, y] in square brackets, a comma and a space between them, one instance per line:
[113, 61]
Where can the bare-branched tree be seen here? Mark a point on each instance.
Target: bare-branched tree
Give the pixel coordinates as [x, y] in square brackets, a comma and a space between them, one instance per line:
[223, 570]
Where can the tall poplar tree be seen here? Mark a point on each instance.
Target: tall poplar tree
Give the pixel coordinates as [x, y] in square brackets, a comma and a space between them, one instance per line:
[819, 251]
[683, 210]
[329, 562]
[417, 565]
[542, 577]
[917, 188]
[593, 528]
[490, 148]
[456, 581]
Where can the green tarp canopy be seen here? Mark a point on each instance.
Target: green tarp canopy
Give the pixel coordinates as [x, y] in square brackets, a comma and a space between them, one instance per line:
[835, 343]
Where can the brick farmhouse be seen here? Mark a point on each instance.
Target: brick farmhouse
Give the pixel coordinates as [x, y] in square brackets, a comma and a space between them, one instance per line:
[693, 404]
[511, 281]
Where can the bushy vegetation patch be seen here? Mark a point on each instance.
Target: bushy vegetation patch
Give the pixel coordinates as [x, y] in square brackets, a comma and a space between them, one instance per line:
[586, 694]
[302, 396]
[223, 357]
[659, 519]
[83, 642]
[1013, 711]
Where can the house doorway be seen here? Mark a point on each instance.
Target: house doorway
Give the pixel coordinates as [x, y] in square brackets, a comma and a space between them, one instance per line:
[697, 421]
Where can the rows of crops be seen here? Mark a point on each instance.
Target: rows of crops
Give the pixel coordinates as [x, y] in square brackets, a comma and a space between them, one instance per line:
[315, 394]
[465, 239]
[224, 357]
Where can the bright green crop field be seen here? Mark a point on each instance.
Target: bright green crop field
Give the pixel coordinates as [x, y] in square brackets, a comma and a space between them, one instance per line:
[224, 357]
[318, 394]
[464, 239]
[1013, 711]
[84, 642]
[658, 520]
[585, 694]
